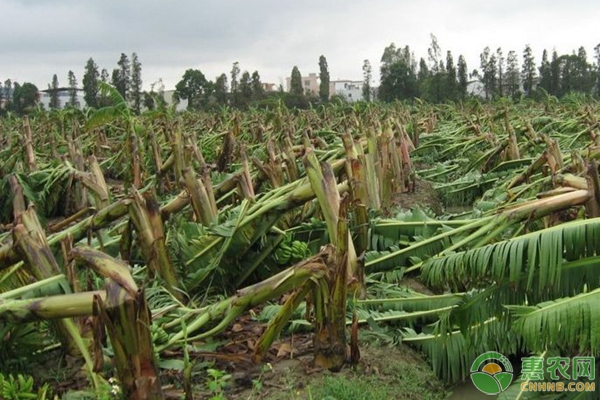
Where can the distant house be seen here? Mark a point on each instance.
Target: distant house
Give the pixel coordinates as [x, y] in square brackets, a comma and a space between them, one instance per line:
[169, 99]
[349, 90]
[269, 87]
[5, 96]
[63, 96]
[310, 84]
[475, 88]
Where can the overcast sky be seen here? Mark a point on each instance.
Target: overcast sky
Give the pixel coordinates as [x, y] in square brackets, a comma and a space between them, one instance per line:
[43, 37]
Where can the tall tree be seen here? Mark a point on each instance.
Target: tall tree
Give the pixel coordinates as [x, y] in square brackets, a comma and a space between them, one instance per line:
[423, 73]
[53, 90]
[423, 77]
[367, 78]
[115, 79]
[435, 87]
[159, 88]
[500, 83]
[575, 73]
[121, 76]
[103, 97]
[597, 56]
[398, 75]
[387, 59]
[148, 100]
[400, 83]
[492, 76]
[73, 100]
[324, 78]
[451, 84]
[463, 79]
[586, 78]
[221, 89]
[434, 53]
[194, 87]
[409, 58]
[513, 77]
[488, 72]
[484, 59]
[156, 97]
[125, 74]
[296, 82]
[245, 87]
[135, 94]
[528, 73]
[235, 73]
[90, 84]
[258, 91]
[8, 94]
[545, 73]
[14, 106]
[554, 74]
[25, 97]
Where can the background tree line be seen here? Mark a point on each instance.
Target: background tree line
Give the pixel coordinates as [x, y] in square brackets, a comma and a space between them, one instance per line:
[242, 89]
[126, 78]
[239, 90]
[17, 98]
[437, 79]
[202, 93]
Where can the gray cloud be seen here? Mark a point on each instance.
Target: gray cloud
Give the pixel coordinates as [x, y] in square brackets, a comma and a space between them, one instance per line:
[40, 38]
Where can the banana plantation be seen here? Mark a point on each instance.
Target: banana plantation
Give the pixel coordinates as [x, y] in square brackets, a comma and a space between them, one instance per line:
[133, 246]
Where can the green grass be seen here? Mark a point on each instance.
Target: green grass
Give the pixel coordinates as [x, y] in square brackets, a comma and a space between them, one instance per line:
[413, 385]
[394, 373]
[342, 388]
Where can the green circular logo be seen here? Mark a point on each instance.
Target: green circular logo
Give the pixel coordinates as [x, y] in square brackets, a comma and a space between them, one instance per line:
[491, 373]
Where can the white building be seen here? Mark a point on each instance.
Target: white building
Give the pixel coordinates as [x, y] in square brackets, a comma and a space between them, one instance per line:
[310, 84]
[349, 90]
[475, 88]
[63, 97]
[168, 96]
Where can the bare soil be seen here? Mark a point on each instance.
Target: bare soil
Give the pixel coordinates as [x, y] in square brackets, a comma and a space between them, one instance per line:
[424, 197]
